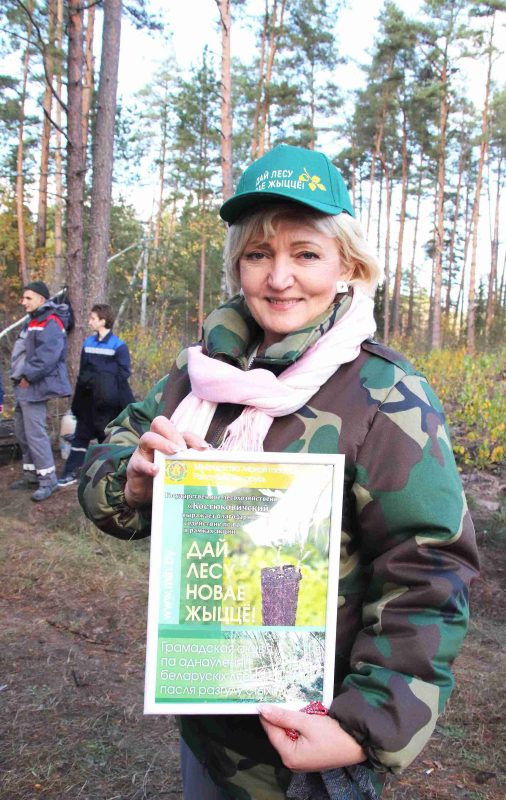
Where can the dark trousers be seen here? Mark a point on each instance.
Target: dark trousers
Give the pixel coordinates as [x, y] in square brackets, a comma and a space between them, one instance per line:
[84, 433]
[196, 780]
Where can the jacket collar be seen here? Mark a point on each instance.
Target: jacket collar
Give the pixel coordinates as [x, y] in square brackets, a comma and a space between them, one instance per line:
[105, 339]
[230, 333]
[45, 309]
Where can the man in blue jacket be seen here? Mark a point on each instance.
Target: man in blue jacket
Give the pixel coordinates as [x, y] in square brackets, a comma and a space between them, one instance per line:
[102, 388]
[38, 371]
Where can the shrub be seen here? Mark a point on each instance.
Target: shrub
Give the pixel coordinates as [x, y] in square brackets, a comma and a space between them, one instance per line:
[471, 389]
[152, 353]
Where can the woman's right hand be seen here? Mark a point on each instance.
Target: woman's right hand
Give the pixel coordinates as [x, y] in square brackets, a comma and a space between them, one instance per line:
[163, 436]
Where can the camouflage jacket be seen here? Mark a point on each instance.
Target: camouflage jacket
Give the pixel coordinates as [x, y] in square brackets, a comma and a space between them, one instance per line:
[408, 552]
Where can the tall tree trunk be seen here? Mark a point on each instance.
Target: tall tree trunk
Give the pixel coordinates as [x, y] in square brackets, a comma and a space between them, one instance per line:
[312, 109]
[260, 85]
[386, 309]
[467, 237]
[411, 305]
[40, 231]
[380, 212]
[89, 69]
[378, 142]
[353, 166]
[453, 235]
[20, 189]
[103, 152]
[58, 274]
[502, 287]
[145, 275]
[226, 99]
[494, 256]
[202, 282]
[471, 308]
[435, 338]
[275, 33]
[76, 169]
[161, 185]
[404, 195]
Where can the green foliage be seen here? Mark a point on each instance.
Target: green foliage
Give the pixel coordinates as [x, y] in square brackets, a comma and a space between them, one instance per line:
[471, 389]
[197, 137]
[9, 257]
[125, 229]
[305, 94]
[150, 361]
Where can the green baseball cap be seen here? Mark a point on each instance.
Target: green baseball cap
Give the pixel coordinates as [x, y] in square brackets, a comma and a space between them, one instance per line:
[289, 173]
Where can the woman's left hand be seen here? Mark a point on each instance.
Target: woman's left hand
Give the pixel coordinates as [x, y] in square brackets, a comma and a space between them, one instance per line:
[322, 743]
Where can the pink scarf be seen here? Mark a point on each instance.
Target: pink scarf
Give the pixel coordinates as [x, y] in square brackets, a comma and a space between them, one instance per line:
[265, 395]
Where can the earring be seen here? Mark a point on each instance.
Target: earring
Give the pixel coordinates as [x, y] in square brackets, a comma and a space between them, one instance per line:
[341, 287]
[241, 292]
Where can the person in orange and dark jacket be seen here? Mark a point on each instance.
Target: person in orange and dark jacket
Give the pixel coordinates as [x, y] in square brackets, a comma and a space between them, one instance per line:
[38, 372]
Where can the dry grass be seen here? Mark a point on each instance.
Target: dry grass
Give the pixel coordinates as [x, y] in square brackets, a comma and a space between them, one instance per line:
[73, 605]
[72, 632]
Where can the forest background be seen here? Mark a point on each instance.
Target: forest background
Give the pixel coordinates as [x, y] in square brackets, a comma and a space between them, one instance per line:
[423, 158]
[423, 153]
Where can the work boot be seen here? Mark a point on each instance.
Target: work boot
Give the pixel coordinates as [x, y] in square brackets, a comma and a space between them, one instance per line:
[43, 492]
[28, 481]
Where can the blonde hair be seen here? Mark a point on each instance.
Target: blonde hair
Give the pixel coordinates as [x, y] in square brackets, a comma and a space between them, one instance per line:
[355, 253]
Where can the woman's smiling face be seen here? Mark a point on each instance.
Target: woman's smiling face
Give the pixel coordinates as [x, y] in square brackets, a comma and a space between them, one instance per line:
[289, 279]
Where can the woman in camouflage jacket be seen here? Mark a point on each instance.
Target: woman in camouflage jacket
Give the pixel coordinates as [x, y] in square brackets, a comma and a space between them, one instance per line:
[407, 551]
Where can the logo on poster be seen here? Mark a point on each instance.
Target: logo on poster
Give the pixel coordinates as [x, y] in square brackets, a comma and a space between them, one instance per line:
[175, 470]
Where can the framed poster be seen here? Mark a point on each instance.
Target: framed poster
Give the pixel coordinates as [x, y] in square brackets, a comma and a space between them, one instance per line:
[243, 585]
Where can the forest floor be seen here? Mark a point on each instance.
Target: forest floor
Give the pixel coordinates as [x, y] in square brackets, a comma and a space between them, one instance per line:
[72, 632]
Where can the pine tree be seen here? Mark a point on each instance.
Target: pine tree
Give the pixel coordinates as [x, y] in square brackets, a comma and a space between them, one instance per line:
[103, 149]
[197, 157]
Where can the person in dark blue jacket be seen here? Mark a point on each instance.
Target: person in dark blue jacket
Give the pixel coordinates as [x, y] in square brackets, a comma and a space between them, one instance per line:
[102, 388]
[38, 372]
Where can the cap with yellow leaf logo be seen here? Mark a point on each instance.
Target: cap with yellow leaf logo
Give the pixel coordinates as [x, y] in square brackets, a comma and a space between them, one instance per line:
[289, 173]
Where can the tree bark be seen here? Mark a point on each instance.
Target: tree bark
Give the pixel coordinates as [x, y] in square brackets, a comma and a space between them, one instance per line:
[40, 230]
[226, 99]
[494, 257]
[440, 190]
[161, 185]
[76, 169]
[274, 35]
[378, 141]
[386, 309]
[103, 152]
[353, 165]
[58, 274]
[404, 195]
[20, 190]
[467, 239]
[411, 304]
[145, 277]
[260, 85]
[471, 307]
[453, 235]
[202, 282]
[88, 79]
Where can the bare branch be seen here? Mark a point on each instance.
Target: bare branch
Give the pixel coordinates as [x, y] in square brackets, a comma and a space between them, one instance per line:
[222, 21]
[55, 124]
